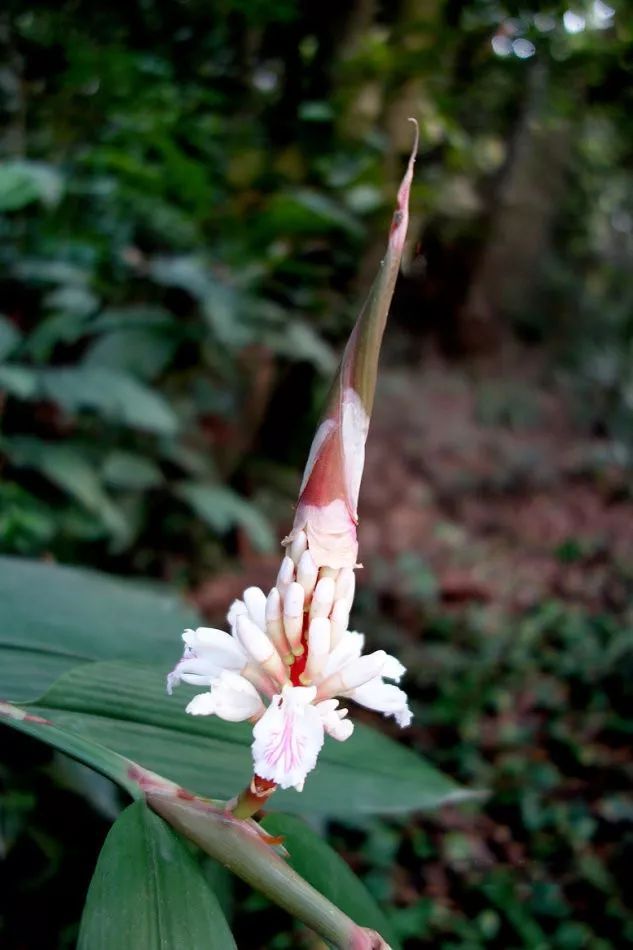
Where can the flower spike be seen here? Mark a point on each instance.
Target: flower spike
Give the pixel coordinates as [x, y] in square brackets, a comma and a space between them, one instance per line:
[290, 654]
[328, 497]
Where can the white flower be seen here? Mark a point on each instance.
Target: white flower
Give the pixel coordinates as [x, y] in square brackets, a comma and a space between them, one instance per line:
[285, 660]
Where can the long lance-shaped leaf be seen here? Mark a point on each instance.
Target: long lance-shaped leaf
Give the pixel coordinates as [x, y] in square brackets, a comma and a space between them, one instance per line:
[253, 860]
[328, 497]
[240, 845]
[86, 750]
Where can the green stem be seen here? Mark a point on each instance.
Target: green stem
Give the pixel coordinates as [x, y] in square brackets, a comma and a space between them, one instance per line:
[240, 848]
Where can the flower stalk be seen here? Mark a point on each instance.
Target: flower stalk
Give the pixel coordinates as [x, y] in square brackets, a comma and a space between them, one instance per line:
[238, 846]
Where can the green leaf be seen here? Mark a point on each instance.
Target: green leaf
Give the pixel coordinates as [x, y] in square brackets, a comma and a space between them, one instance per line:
[304, 211]
[237, 844]
[18, 381]
[222, 509]
[149, 891]
[128, 470]
[110, 393]
[138, 351]
[23, 182]
[54, 617]
[312, 858]
[69, 470]
[124, 707]
[57, 619]
[72, 299]
[9, 337]
[240, 847]
[299, 341]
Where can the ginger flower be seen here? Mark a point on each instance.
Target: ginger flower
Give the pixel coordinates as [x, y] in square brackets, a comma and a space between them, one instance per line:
[286, 663]
[290, 660]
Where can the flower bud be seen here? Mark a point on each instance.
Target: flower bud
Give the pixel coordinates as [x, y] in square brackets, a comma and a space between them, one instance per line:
[293, 617]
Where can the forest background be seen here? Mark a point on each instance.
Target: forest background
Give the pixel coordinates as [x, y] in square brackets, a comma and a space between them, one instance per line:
[194, 199]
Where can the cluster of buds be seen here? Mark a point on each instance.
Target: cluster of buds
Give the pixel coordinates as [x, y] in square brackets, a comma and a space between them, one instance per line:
[289, 657]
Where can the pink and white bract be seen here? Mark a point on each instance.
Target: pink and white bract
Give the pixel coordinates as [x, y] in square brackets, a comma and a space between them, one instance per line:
[290, 658]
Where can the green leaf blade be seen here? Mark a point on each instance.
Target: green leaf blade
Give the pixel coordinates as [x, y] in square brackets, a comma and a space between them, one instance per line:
[149, 891]
[325, 870]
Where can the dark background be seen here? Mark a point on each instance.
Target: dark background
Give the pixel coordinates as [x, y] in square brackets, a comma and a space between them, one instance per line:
[195, 197]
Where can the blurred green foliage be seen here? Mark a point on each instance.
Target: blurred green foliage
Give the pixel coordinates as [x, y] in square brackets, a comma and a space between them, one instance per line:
[186, 191]
[188, 198]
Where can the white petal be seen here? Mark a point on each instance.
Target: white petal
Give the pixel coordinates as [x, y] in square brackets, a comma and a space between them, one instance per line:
[353, 674]
[319, 638]
[288, 737]
[340, 620]
[207, 652]
[201, 705]
[232, 698]
[393, 669]
[385, 698]
[307, 573]
[293, 616]
[237, 607]
[285, 576]
[255, 641]
[274, 624]
[255, 600]
[323, 598]
[345, 586]
[298, 546]
[333, 720]
[195, 679]
[235, 698]
[216, 645]
[349, 648]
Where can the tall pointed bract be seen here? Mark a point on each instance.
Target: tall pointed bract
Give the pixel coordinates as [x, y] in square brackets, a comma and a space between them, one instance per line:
[328, 497]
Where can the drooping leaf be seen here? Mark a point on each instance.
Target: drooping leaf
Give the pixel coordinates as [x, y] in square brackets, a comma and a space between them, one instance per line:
[313, 858]
[149, 891]
[55, 617]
